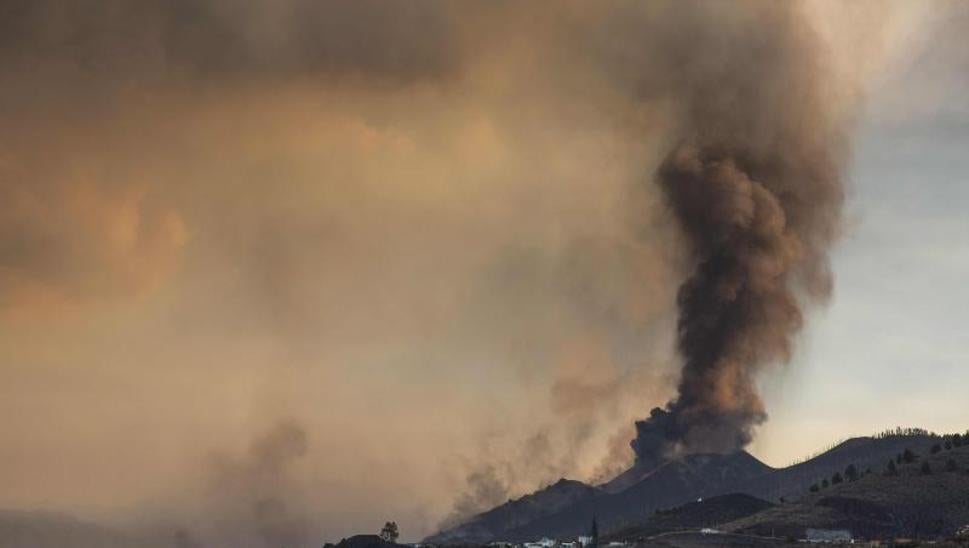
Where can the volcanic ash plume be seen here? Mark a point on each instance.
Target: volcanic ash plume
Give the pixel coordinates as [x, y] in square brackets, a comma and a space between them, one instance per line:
[755, 185]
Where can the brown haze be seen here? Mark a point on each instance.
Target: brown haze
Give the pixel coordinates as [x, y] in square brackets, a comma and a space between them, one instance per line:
[279, 271]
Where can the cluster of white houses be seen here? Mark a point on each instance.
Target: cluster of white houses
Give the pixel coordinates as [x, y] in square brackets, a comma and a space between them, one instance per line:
[545, 542]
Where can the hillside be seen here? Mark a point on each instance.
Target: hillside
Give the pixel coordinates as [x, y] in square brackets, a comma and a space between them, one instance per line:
[631, 476]
[864, 452]
[907, 504]
[672, 484]
[499, 521]
[706, 513]
[633, 496]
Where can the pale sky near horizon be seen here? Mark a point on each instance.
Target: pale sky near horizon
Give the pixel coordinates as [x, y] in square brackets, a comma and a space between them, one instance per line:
[892, 347]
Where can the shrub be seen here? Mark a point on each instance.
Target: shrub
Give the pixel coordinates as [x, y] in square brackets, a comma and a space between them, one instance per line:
[951, 466]
[851, 473]
[891, 470]
[836, 478]
[824, 483]
[926, 469]
[935, 449]
[909, 456]
[947, 445]
[390, 532]
[814, 488]
[898, 431]
[898, 458]
[957, 440]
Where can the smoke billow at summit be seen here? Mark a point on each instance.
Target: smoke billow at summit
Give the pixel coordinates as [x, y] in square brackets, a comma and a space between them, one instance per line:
[756, 187]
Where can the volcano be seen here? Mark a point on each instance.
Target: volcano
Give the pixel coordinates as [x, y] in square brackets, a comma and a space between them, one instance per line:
[565, 508]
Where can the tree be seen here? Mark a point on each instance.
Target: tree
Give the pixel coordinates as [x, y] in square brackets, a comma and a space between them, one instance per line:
[951, 466]
[957, 440]
[836, 478]
[892, 469]
[851, 473]
[898, 458]
[814, 488]
[926, 469]
[594, 534]
[909, 456]
[390, 532]
[935, 449]
[824, 483]
[947, 445]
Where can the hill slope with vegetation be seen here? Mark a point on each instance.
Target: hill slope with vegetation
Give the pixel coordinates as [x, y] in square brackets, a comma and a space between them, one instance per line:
[678, 482]
[705, 513]
[916, 495]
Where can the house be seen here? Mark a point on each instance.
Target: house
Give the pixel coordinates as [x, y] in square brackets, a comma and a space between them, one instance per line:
[828, 535]
[544, 543]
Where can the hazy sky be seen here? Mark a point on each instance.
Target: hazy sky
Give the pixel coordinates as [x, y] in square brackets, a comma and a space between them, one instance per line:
[260, 277]
[891, 347]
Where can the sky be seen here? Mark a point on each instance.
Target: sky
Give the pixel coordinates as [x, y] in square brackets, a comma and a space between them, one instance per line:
[890, 348]
[260, 280]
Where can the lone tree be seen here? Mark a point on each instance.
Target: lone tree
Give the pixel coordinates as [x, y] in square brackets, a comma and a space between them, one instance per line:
[908, 456]
[891, 470]
[824, 483]
[926, 469]
[851, 473]
[814, 488]
[390, 532]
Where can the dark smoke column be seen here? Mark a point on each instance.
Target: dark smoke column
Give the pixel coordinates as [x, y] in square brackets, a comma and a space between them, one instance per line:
[755, 185]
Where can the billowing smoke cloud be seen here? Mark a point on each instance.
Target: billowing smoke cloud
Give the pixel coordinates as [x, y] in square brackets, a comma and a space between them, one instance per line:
[421, 229]
[217, 214]
[755, 184]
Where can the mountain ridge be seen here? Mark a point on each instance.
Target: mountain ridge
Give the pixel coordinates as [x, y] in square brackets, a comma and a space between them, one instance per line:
[633, 495]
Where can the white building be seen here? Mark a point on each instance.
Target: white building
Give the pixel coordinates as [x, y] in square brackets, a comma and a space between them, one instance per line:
[828, 535]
